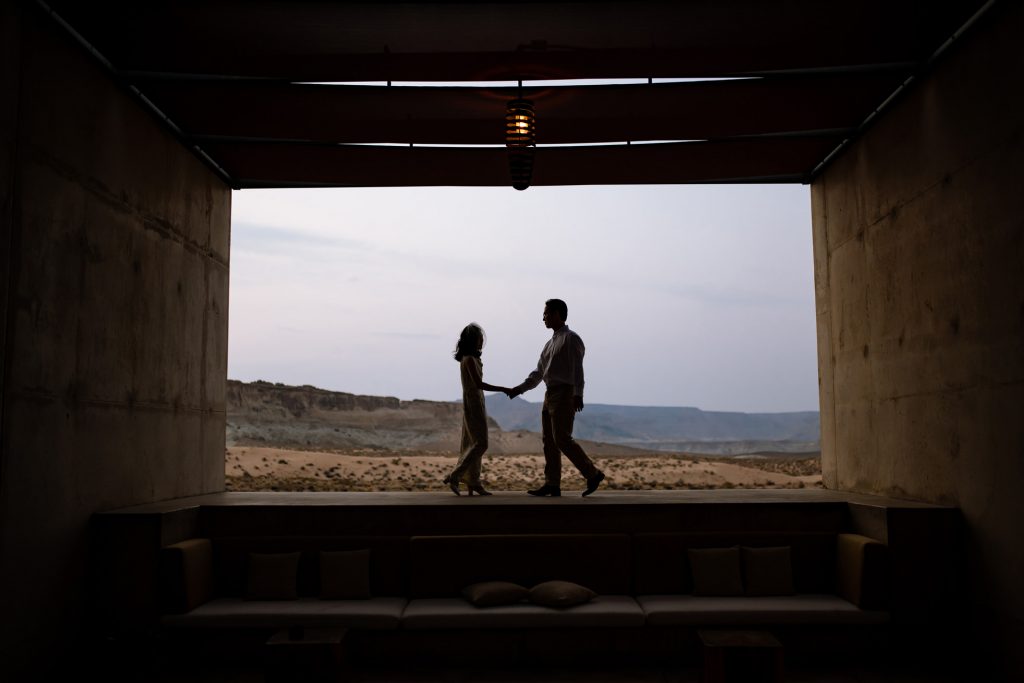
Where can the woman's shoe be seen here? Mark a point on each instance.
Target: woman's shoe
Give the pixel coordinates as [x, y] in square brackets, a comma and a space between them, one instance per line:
[478, 489]
[453, 484]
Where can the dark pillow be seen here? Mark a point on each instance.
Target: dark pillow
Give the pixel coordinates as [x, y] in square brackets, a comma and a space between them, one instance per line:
[716, 571]
[494, 593]
[768, 571]
[560, 594]
[345, 575]
[272, 577]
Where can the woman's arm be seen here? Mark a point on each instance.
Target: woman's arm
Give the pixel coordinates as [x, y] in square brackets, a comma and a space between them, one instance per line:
[478, 380]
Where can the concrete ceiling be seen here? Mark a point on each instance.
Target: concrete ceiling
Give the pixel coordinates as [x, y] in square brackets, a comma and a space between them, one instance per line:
[237, 82]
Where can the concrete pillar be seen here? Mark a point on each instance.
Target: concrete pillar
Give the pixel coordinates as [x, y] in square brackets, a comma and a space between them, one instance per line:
[114, 335]
[919, 276]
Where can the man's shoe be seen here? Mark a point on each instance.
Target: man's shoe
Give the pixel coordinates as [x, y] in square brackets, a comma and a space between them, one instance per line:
[546, 490]
[594, 482]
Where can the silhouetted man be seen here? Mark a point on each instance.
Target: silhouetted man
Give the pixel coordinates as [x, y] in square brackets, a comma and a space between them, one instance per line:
[561, 369]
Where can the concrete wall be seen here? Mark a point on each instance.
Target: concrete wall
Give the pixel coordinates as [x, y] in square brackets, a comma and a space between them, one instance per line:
[114, 330]
[919, 276]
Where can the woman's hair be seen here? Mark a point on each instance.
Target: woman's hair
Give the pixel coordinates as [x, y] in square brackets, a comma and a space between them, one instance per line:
[469, 343]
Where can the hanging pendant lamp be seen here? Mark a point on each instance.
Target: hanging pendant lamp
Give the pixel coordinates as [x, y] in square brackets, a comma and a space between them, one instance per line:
[520, 124]
[521, 140]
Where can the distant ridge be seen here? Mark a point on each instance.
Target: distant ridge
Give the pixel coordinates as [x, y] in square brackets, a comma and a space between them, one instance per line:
[684, 429]
[306, 417]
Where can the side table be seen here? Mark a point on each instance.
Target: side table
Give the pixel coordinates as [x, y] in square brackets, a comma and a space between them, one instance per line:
[748, 656]
[305, 654]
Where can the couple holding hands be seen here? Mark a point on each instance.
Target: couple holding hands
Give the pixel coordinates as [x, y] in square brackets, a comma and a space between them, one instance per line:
[561, 369]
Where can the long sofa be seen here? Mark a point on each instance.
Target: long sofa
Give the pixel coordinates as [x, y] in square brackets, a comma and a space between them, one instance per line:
[415, 584]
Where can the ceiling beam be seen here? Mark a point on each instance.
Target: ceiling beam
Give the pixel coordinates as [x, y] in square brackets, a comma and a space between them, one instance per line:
[475, 116]
[752, 160]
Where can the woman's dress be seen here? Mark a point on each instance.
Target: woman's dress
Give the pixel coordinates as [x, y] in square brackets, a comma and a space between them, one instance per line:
[474, 422]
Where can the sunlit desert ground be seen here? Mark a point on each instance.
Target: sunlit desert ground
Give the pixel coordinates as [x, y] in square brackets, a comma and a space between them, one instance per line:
[275, 469]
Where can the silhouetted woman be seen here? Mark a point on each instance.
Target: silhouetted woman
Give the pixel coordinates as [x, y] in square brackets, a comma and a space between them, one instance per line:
[474, 415]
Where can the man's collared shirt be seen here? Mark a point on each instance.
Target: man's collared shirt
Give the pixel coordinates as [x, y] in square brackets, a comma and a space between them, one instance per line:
[561, 362]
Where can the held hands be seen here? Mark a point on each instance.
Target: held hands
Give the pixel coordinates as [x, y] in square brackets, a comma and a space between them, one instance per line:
[577, 401]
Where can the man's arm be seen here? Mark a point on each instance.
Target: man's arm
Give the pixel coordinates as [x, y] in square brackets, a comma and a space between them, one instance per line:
[578, 349]
[531, 381]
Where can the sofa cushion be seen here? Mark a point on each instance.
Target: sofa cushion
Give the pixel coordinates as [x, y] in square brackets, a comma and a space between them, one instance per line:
[494, 593]
[691, 610]
[602, 611]
[272, 576]
[375, 613]
[862, 570]
[716, 571]
[661, 558]
[388, 561]
[186, 574]
[560, 594]
[345, 575]
[767, 571]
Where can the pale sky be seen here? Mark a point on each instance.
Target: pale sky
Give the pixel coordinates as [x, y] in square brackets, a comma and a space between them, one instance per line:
[685, 295]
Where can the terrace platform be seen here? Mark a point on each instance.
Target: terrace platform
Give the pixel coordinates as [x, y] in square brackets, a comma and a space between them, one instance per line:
[431, 513]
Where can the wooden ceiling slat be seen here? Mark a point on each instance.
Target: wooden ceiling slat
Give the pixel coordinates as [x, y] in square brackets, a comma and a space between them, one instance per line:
[511, 66]
[340, 41]
[261, 165]
[566, 115]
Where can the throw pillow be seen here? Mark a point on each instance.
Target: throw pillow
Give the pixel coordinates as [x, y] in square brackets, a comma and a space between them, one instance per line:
[494, 593]
[560, 594]
[768, 571]
[345, 575]
[272, 577]
[716, 571]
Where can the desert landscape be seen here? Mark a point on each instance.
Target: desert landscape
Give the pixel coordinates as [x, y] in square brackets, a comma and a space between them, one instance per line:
[283, 438]
[253, 468]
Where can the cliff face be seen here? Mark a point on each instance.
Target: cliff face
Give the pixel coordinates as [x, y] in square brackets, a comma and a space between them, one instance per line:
[282, 401]
[265, 414]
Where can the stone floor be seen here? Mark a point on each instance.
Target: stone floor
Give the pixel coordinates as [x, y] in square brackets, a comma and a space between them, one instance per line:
[594, 674]
[652, 675]
[142, 665]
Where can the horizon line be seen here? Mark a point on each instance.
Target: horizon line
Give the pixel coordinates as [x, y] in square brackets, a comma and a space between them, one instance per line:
[459, 400]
